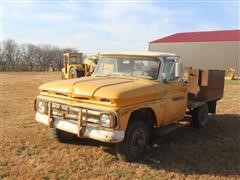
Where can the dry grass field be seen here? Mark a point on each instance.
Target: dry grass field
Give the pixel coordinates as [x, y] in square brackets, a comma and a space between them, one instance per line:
[27, 150]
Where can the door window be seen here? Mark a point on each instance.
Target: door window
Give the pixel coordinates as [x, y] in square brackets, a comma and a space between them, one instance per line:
[169, 69]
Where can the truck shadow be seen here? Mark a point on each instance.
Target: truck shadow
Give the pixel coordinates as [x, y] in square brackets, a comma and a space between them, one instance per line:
[213, 150]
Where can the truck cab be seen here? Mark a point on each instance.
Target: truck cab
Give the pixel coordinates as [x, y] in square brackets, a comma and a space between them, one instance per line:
[128, 96]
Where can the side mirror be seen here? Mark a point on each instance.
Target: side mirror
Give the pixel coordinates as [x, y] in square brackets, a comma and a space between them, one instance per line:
[178, 69]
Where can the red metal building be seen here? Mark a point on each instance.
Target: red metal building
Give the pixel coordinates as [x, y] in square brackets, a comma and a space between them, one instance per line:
[209, 49]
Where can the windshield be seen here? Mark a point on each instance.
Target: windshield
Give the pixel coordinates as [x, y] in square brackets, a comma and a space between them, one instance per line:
[75, 60]
[140, 67]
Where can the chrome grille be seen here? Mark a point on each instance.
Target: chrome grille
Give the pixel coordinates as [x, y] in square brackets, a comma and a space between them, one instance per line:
[70, 112]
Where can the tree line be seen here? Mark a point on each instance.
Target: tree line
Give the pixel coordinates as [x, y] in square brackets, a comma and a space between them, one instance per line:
[30, 57]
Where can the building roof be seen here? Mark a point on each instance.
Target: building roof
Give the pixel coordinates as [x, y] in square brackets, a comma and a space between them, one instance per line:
[149, 54]
[204, 36]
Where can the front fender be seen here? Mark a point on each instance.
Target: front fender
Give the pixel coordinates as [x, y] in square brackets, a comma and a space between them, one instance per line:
[124, 114]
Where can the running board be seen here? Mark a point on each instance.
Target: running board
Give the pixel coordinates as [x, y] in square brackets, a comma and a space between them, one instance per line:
[171, 127]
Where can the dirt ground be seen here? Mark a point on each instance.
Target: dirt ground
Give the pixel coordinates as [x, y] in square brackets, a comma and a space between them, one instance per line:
[27, 150]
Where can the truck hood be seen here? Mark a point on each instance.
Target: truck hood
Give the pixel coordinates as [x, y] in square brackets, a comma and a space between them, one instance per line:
[117, 90]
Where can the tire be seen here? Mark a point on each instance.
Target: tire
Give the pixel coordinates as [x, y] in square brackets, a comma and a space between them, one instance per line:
[73, 73]
[62, 136]
[135, 142]
[200, 116]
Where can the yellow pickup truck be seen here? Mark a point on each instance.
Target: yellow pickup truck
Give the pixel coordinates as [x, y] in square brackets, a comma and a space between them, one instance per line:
[128, 96]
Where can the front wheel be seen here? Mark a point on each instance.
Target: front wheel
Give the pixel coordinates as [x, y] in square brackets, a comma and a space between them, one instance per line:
[200, 116]
[135, 142]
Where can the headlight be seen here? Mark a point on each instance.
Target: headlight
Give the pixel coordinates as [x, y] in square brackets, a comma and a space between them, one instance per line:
[42, 107]
[107, 119]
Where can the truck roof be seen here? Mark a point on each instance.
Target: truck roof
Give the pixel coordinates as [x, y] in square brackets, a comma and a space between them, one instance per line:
[148, 54]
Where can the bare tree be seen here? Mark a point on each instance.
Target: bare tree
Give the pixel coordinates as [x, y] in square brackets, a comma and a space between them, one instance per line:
[44, 56]
[2, 61]
[25, 57]
[11, 53]
[38, 54]
[28, 55]
[57, 60]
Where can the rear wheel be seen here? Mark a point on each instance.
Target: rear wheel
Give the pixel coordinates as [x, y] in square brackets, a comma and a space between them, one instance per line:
[72, 73]
[200, 116]
[135, 142]
[62, 136]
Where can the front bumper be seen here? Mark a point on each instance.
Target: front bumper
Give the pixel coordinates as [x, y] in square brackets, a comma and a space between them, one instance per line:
[88, 132]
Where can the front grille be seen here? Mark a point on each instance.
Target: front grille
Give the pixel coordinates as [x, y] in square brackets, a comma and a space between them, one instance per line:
[73, 113]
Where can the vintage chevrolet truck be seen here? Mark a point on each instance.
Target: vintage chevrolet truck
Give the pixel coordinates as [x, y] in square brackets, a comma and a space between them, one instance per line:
[128, 96]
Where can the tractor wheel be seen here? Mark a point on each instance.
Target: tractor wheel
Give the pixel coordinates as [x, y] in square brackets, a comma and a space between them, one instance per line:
[135, 142]
[72, 73]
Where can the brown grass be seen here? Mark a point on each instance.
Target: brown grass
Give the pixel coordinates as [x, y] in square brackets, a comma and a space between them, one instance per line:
[29, 152]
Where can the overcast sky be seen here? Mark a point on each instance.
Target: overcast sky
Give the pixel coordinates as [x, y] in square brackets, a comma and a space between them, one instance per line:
[92, 26]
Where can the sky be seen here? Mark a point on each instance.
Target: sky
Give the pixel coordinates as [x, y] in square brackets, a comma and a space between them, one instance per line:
[97, 26]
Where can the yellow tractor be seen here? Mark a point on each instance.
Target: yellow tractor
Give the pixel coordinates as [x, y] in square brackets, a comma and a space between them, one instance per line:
[91, 62]
[75, 66]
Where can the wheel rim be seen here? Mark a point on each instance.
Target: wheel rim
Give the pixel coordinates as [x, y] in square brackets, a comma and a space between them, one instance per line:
[138, 142]
[73, 74]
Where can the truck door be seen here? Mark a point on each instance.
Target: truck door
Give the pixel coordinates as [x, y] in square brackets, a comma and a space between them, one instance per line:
[175, 100]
